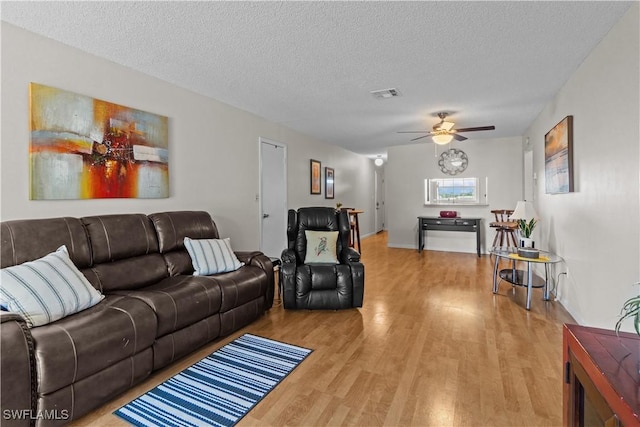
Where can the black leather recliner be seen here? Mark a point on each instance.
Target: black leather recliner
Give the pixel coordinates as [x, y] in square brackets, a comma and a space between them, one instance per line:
[320, 285]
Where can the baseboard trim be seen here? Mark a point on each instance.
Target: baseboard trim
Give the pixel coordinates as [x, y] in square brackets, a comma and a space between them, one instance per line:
[392, 245]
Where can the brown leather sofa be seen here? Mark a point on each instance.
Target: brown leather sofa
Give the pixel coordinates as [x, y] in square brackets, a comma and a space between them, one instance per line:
[154, 311]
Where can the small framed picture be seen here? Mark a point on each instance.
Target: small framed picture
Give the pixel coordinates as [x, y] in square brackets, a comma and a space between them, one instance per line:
[329, 182]
[315, 174]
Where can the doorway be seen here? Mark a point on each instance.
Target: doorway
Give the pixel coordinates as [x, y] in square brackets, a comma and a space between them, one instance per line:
[273, 197]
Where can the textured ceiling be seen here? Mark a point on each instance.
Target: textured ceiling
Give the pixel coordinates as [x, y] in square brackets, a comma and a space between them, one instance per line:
[311, 65]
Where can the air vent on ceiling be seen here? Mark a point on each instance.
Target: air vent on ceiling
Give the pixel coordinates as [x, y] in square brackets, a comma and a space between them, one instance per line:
[385, 93]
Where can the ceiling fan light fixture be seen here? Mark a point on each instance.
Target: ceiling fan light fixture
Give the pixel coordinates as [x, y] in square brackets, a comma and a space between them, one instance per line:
[447, 125]
[442, 138]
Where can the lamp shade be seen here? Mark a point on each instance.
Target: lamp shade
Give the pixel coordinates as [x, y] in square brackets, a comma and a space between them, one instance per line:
[524, 210]
[442, 138]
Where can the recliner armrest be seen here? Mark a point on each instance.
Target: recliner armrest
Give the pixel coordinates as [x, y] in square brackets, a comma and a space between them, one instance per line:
[349, 255]
[288, 256]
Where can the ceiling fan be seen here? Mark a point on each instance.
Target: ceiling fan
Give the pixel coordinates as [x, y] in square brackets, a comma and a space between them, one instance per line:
[443, 132]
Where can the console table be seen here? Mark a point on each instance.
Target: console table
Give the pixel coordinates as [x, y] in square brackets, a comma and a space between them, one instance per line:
[448, 224]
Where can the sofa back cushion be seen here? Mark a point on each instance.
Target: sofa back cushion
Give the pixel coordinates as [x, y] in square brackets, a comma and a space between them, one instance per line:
[125, 252]
[30, 239]
[171, 229]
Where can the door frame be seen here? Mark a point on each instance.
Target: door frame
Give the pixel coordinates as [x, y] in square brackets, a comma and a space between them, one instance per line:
[379, 208]
[528, 181]
[262, 140]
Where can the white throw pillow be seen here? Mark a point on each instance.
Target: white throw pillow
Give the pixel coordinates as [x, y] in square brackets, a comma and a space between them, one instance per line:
[46, 289]
[211, 256]
[321, 247]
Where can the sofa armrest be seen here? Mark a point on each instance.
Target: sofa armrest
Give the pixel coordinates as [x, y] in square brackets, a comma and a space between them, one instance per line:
[246, 256]
[258, 259]
[17, 372]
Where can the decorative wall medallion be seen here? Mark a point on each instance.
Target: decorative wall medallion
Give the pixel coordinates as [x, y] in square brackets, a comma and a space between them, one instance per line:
[453, 161]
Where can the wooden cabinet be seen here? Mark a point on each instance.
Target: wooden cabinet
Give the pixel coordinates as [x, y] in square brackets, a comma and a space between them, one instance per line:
[601, 384]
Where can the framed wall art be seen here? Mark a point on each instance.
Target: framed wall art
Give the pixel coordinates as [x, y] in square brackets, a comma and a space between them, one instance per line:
[86, 148]
[558, 158]
[315, 176]
[329, 181]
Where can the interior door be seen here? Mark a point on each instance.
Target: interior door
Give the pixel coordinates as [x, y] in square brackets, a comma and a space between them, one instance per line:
[379, 196]
[273, 198]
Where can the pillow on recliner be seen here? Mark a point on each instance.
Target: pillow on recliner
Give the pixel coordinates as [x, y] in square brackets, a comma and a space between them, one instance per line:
[46, 289]
[321, 247]
[211, 256]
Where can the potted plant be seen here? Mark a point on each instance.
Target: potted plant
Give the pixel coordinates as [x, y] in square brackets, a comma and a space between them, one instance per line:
[630, 309]
[526, 218]
[526, 228]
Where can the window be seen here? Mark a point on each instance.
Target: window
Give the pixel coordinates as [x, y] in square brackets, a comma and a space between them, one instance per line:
[448, 191]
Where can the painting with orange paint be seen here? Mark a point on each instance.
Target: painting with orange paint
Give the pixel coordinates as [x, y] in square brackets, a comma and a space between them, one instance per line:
[315, 166]
[558, 157]
[86, 148]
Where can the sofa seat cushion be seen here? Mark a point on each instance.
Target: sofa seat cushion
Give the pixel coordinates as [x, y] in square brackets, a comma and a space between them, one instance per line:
[180, 301]
[324, 286]
[84, 343]
[241, 286]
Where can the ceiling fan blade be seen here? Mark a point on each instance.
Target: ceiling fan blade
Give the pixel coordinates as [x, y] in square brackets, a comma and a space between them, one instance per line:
[420, 137]
[414, 131]
[458, 137]
[476, 129]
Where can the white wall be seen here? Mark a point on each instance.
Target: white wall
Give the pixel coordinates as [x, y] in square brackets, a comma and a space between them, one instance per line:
[214, 148]
[354, 180]
[408, 166]
[596, 228]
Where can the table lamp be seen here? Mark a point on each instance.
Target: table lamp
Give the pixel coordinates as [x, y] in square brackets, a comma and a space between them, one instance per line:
[527, 218]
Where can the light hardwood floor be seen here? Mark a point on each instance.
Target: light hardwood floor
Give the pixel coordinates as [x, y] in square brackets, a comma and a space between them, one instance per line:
[432, 346]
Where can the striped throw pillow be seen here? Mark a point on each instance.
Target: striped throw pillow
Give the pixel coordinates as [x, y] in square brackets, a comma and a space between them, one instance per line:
[211, 256]
[46, 289]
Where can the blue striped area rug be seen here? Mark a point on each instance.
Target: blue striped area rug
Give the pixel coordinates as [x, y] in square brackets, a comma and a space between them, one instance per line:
[220, 389]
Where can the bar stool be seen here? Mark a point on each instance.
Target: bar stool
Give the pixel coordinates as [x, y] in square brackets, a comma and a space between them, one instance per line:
[505, 229]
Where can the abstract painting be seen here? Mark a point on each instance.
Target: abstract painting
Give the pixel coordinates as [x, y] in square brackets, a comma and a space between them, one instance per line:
[558, 157]
[86, 148]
